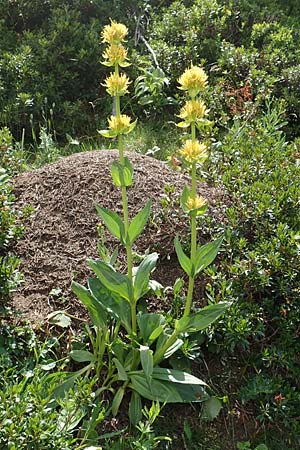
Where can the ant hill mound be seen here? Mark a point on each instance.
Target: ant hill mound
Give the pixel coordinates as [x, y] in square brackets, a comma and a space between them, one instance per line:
[61, 231]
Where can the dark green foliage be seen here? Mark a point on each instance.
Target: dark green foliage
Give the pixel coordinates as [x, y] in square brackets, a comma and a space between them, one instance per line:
[250, 50]
[29, 416]
[261, 266]
[9, 231]
[50, 65]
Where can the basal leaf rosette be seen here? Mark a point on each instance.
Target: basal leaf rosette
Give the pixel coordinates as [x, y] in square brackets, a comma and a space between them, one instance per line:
[116, 85]
[114, 33]
[193, 151]
[118, 125]
[193, 80]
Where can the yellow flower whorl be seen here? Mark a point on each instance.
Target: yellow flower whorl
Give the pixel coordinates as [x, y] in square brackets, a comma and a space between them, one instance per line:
[193, 80]
[194, 151]
[116, 84]
[115, 54]
[114, 33]
[197, 202]
[193, 110]
[119, 124]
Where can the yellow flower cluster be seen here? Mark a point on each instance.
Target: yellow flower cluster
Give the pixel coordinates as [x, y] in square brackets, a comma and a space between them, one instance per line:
[115, 54]
[114, 33]
[194, 151]
[116, 84]
[193, 80]
[197, 202]
[119, 124]
[192, 111]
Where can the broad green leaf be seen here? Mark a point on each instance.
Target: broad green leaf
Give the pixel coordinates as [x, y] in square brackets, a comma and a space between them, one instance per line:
[156, 287]
[113, 222]
[122, 175]
[148, 324]
[184, 197]
[59, 318]
[69, 418]
[155, 334]
[60, 391]
[177, 344]
[206, 254]
[204, 124]
[113, 281]
[135, 408]
[131, 127]
[82, 356]
[146, 356]
[155, 390]
[141, 280]
[183, 259]
[95, 309]
[121, 371]
[111, 303]
[117, 401]
[118, 348]
[202, 319]
[211, 408]
[163, 337]
[138, 223]
[107, 133]
[124, 64]
[178, 285]
[191, 392]
[182, 124]
[166, 391]
[176, 376]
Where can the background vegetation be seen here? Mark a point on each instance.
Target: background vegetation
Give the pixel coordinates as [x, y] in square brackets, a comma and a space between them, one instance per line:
[52, 103]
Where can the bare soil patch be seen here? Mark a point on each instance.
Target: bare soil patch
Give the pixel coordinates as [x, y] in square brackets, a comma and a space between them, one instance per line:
[62, 230]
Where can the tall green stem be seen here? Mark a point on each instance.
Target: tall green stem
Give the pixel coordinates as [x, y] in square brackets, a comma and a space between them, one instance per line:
[159, 355]
[125, 213]
[189, 297]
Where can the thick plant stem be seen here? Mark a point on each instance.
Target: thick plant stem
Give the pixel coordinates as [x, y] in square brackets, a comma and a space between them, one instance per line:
[159, 355]
[125, 214]
[189, 297]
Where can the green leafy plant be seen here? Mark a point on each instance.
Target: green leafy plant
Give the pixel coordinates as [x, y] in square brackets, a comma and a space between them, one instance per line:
[149, 90]
[9, 232]
[129, 343]
[247, 446]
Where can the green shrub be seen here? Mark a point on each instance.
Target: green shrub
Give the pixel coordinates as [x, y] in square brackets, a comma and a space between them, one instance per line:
[260, 171]
[9, 231]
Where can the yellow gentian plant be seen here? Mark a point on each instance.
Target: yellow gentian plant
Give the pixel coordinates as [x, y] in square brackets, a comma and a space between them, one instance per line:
[193, 81]
[131, 359]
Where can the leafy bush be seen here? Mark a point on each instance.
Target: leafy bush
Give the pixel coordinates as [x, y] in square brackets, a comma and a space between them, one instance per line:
[260, 171]
[9, 231]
